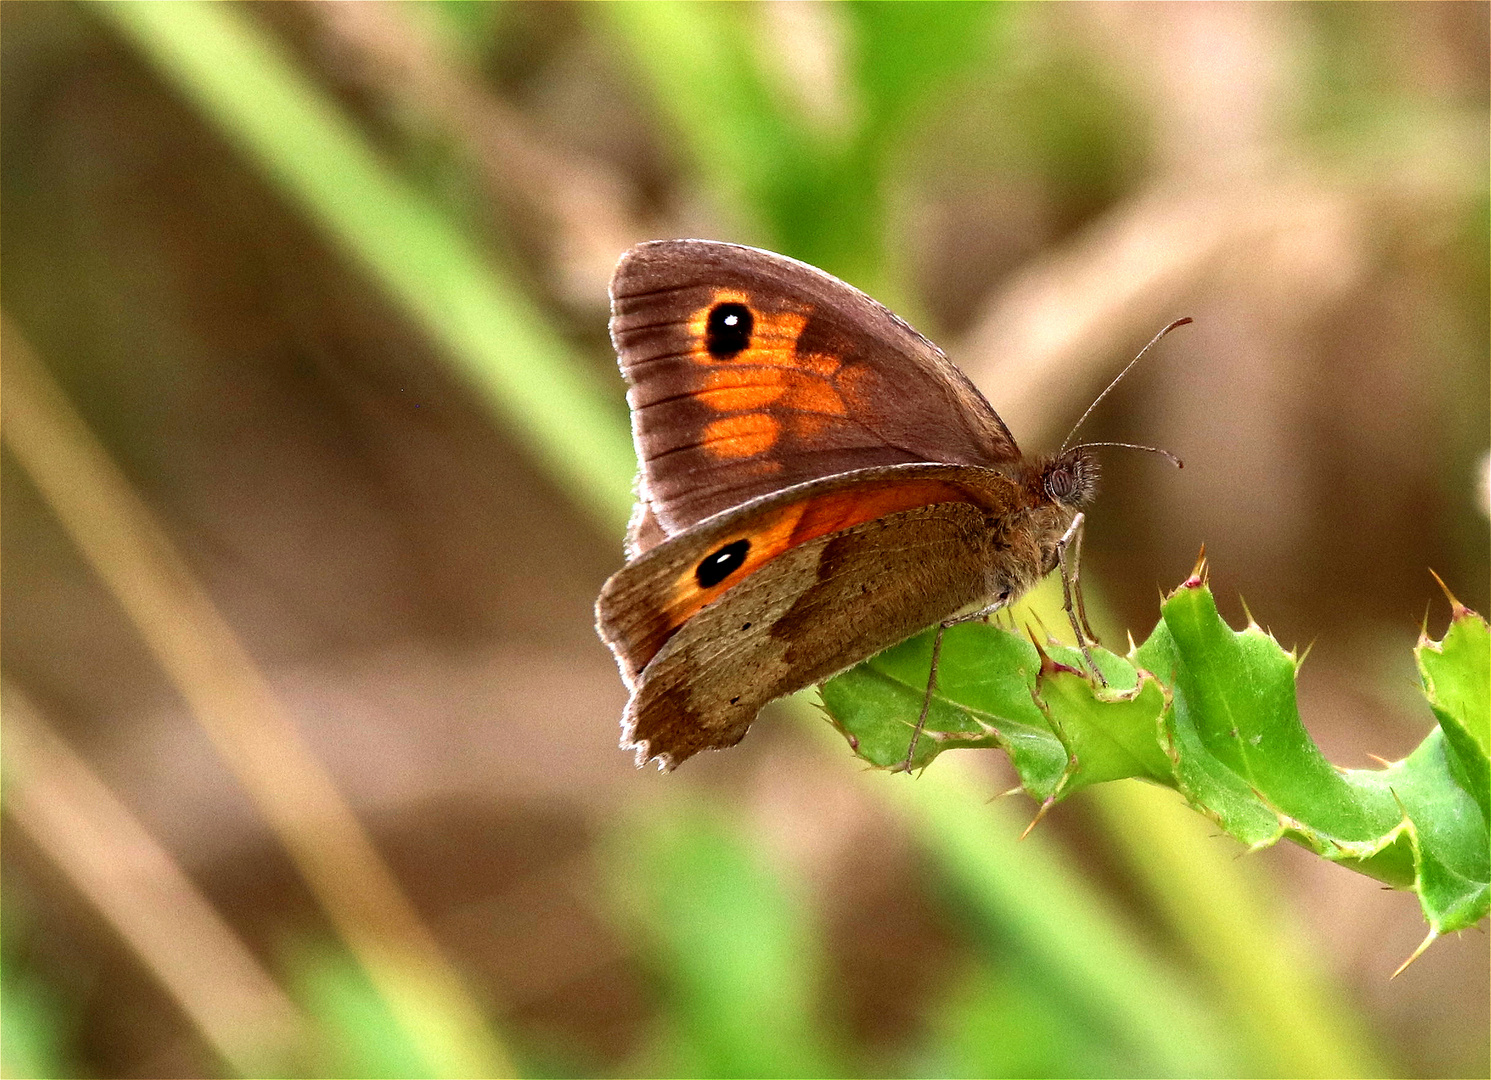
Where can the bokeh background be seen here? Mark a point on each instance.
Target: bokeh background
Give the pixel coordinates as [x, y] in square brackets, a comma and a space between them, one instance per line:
[315, 459]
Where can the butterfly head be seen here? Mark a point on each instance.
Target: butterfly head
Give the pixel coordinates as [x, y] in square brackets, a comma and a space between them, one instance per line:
[1070, 479]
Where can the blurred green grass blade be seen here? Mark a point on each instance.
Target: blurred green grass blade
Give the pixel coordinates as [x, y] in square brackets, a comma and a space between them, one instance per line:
[999, 1020]
[1035, 904]
[746, 138]
[902, 53]
[222, 60]
[34, 1026]
[732, 946]
[359, 1036]
[793, 187]
[788, 185]
[1296, 1022]
[696, 60]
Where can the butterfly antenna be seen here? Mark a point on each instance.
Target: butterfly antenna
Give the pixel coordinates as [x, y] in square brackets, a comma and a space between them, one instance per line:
[1083, 419]
[1135, 446]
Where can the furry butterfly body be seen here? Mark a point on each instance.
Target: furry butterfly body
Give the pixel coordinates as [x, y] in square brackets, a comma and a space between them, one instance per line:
[817, 483]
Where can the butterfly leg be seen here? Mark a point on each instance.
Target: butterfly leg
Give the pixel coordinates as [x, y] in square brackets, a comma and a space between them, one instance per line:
[1076, 529]
[1071, 586]
[921, 720]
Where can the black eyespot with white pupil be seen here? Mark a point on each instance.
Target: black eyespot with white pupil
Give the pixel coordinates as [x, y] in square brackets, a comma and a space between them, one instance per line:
[719, 565]
[728, 332]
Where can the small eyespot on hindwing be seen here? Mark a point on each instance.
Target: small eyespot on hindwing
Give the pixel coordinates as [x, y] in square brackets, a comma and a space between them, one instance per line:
[719, 565]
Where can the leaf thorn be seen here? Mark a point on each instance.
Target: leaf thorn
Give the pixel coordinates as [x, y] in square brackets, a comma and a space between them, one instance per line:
[1198, 573]
[1429, 940]
[1252, 622]
[1424, 638]
[1006, 794]
[1046, 805]
[1459, 609]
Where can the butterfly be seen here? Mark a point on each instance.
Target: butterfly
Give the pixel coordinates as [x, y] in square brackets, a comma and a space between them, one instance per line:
[817, 482]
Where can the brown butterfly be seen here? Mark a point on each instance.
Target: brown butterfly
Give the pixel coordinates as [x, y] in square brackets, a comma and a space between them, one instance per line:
[817, 483]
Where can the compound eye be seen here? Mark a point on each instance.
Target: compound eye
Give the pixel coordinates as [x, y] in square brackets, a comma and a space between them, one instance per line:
[1060, 484]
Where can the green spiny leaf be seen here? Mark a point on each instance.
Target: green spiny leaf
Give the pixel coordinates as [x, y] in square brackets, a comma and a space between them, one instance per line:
[1108, 733]
[1211, 712]
[984, 697]
[1235, 691]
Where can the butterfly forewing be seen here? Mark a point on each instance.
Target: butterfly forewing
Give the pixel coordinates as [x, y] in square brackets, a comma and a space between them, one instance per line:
[750, 372]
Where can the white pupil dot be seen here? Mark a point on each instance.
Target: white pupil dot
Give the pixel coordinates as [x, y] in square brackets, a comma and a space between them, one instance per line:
[731, 320]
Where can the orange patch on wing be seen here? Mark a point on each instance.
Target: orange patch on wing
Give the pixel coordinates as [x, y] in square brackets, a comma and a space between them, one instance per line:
[825, 364]
[842, 509]
[853, 383]
[788, 526]
[741, 436]
[807, 426]
[732, 389]
[815, 396]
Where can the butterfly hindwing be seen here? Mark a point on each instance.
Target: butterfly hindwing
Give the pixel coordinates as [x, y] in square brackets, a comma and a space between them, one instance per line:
[781, 632]
[654, 594]
[857, 562]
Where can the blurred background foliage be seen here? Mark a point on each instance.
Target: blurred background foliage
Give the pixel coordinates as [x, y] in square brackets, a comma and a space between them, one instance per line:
[316, 457]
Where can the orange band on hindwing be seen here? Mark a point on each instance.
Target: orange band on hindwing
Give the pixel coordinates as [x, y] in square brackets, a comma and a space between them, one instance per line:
[787, 526]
